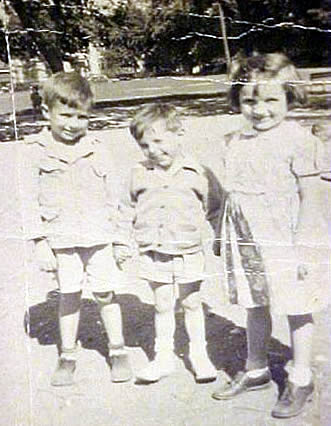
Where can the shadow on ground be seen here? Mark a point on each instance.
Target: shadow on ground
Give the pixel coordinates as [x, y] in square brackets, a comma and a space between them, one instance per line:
[226, 341]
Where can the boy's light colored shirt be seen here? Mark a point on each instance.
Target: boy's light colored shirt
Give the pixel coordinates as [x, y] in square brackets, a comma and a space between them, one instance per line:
[67, 191]
[167, 211]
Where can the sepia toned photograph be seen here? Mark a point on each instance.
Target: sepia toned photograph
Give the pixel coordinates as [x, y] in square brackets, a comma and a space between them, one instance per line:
[176, 154]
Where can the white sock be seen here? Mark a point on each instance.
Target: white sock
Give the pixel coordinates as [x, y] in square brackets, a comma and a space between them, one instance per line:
[254, 374]
[300, 376]
[70, 354]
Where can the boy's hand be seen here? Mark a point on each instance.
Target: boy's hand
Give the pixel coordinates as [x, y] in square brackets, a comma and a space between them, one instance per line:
[121, 254]
[45, 256]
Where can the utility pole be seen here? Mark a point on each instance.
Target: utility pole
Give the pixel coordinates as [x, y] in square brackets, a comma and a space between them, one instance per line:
[224, 37]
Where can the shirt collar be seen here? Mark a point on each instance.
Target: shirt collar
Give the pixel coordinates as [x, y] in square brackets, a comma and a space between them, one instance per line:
[183, 162]
[248, 132]
[67, 153]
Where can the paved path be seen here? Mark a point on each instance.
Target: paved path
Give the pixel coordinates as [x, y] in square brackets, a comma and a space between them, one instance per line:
[28, 362]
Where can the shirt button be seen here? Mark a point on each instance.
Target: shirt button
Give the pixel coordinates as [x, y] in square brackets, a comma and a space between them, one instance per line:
[161, 226]
[162, 207]
[165, 186]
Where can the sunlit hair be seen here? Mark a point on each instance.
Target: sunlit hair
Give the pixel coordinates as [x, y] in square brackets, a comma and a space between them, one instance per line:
[69, 88]
[263, 68]
[151, 113]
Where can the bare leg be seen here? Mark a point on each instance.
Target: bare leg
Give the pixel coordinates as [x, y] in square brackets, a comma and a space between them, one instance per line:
[259, 328]
[194, 318]
[301, 330]
[258, 376]
[165, 325]
[300, 386]
[69, 319]
[112, 318]
[163, 364]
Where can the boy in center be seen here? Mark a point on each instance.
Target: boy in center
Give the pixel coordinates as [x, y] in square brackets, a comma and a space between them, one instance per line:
[170, 197]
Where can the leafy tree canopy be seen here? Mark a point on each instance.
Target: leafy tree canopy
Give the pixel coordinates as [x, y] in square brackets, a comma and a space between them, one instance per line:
[168, 33]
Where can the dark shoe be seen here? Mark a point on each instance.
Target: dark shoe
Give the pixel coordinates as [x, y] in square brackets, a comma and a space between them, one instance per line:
[242, 383]
[120, 366]
[293, 400]
[64, 373]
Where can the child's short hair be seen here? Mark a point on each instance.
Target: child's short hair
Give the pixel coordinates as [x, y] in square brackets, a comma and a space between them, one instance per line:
[151, 113]
[322, 130]
[275, 66]
[69, 88]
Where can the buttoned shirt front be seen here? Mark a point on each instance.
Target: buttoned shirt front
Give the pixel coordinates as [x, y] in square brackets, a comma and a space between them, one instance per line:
[167, 211]
[71, 192]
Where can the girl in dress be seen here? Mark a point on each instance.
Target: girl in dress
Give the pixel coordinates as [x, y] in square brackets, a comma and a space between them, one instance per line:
[272, 241]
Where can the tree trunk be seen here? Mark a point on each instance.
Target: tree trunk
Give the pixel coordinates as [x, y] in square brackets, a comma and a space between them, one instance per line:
[46, 47]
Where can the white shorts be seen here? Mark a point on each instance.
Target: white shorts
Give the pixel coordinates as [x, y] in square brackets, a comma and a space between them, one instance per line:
[96, 264]
[172, 269]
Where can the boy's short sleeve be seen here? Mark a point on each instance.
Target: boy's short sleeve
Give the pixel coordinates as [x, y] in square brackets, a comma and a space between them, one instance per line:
[308, 155]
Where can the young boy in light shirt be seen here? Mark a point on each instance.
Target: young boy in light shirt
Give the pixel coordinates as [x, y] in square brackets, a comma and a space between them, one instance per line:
[171, 195]
[69, 211]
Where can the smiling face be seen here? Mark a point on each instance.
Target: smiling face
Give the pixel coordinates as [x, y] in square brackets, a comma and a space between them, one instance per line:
[160, 145]
[264, 104]
[68, 124]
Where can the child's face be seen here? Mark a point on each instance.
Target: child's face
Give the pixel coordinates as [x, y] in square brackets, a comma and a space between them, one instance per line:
[68, 124]
[264, 104]
[160, 145]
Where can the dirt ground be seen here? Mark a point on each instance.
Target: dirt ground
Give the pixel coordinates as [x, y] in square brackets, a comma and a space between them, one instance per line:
[29, 338]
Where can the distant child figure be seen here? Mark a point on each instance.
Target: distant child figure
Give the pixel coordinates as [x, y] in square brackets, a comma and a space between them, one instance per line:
[170, 196]
[36, 100]
[70, 217]
[273, 244]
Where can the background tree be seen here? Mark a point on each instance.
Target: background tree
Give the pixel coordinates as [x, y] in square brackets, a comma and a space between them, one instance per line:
[34, 32]
[169, 34]
[124, 35]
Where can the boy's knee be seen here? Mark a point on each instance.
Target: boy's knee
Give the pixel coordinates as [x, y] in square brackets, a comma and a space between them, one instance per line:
[192, 302]
[104, 298]
[70, 303]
